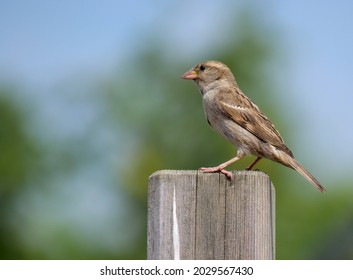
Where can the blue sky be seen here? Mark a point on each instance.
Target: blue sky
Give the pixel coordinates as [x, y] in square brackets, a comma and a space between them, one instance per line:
[45, 42]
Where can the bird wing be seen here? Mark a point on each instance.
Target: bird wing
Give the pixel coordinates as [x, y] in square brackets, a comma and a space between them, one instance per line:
[246, 114]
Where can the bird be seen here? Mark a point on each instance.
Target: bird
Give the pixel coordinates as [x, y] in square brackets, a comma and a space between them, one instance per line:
[234, 116]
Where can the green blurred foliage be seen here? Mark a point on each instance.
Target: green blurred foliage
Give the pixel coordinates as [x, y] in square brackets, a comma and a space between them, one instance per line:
[161, 125]
[18, 152]
[19, 160]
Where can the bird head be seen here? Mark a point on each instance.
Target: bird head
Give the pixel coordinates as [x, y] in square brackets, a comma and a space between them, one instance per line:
[207, 73]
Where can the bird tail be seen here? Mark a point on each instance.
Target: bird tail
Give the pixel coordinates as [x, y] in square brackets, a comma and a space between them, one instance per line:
[292, 163]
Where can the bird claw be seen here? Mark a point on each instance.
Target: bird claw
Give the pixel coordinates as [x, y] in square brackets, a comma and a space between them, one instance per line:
[217, 169]
[210, 169]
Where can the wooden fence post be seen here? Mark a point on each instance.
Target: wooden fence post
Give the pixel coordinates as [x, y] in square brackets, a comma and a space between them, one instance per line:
[195, 215]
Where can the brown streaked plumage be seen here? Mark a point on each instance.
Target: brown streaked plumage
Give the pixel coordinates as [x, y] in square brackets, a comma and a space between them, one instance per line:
[238, 119]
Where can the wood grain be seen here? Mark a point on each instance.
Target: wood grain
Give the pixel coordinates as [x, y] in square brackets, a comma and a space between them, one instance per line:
[195, 215]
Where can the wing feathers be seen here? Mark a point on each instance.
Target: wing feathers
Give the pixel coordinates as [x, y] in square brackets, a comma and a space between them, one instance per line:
[247, 115]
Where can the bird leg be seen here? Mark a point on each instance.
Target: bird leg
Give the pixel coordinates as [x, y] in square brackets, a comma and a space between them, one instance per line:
[254, 162]
[220, 168]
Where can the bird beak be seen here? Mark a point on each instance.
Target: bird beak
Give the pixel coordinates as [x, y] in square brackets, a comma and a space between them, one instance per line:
[190, 75]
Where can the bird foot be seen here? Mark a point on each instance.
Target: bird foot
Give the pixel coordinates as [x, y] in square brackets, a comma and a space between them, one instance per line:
[217, 169]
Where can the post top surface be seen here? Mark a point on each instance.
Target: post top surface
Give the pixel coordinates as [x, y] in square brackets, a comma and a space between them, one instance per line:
[168, 172]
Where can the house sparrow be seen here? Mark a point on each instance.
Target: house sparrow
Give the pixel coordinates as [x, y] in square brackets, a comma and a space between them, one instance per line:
[233, 115]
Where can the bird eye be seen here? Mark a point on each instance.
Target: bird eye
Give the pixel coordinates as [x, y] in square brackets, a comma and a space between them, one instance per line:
[202, 67]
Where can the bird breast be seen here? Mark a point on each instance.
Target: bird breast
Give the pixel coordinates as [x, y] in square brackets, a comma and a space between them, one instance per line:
[228, 128]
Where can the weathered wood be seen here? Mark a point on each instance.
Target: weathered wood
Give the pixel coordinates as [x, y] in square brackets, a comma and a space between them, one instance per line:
[195, 215]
